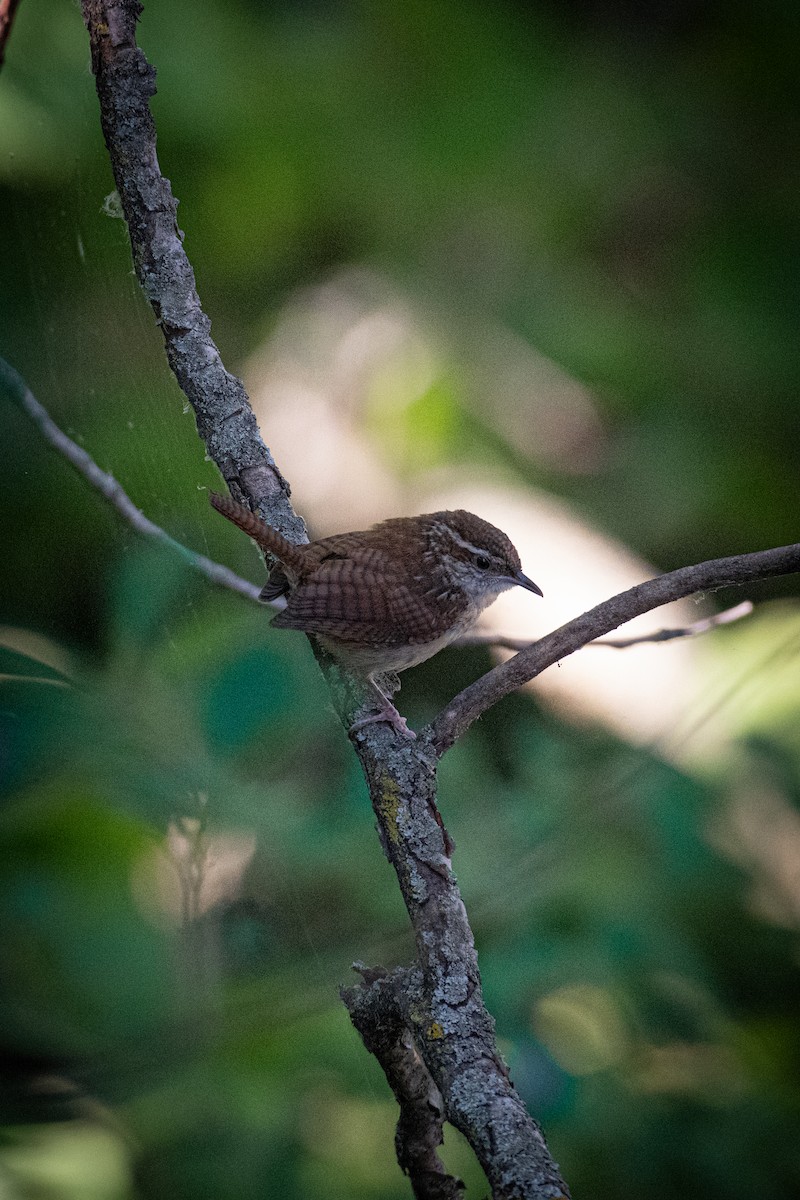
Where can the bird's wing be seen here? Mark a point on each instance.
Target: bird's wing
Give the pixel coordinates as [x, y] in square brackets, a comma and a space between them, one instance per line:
[358, 601]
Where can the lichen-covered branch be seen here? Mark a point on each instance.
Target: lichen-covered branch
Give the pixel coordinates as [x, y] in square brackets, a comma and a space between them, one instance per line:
[451, 1027]
[377, 1008]
[225, 421]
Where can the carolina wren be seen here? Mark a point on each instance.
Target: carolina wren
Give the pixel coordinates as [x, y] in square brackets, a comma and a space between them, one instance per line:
[386, 598]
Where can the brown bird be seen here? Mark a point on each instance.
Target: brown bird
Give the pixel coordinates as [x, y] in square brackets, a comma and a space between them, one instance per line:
[384, 599]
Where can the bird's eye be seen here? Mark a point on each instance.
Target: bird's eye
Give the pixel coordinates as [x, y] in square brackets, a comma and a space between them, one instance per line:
[483, 562]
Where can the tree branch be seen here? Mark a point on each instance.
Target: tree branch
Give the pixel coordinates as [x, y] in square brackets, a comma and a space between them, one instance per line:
[225, 421]
[451, 1027]
[468, 705]
[376, 1008]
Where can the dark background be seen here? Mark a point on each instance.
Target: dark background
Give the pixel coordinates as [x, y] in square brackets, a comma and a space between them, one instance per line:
[611, 191]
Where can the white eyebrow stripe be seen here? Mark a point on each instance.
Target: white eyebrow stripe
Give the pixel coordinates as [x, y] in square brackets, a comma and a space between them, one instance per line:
[468, 545]
[461, 542]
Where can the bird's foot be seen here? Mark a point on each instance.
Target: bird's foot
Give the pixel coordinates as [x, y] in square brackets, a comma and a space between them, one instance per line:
[391, 716]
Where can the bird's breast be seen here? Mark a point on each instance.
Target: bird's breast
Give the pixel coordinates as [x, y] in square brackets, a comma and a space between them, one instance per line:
[367, 659]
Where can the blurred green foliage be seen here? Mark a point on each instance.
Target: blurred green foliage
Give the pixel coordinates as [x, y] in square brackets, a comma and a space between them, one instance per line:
[188, 860]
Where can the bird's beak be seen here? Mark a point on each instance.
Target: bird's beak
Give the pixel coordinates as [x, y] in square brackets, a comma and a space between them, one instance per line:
[528, 584]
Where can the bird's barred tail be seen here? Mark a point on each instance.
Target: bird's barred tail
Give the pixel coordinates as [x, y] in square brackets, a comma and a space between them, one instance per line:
[267, 538]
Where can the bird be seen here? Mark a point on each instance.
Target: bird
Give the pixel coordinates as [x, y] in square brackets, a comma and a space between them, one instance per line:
[384, 599]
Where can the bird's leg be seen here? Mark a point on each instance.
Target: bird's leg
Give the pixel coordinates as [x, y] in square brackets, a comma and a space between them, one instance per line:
[387, 713]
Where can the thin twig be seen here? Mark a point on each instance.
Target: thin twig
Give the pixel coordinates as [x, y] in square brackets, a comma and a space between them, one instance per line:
[112, 490]
[696, 629]
[662, 635]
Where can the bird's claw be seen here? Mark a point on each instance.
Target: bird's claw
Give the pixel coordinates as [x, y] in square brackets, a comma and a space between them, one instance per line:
[391, 717]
